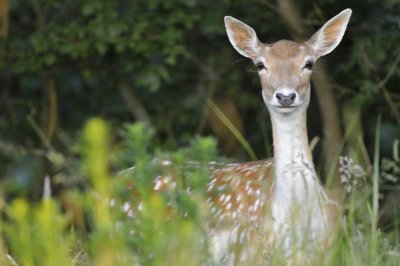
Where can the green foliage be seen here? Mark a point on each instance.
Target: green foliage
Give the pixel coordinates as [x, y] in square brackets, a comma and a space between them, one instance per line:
[37, 235]
[40, 234]
[173, 55]
[137, 140]
[96, 157]
[166, 228]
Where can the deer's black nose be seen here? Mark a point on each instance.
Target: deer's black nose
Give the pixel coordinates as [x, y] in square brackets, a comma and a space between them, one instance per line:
[286, 100]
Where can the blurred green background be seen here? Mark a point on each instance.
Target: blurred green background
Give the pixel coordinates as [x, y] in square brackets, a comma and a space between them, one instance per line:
[159, 62]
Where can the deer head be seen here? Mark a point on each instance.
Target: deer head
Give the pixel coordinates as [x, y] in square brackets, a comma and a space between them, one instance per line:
[285, 66]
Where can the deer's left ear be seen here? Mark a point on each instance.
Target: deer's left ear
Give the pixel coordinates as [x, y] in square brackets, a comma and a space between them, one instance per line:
[329, 36]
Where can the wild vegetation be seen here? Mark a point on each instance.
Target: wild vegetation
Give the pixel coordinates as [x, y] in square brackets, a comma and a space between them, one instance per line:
[167, 85]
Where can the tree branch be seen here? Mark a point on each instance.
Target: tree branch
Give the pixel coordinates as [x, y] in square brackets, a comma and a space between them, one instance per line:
[134, 105]
[390, 72]
[382, 82]
[53, 109]
[268, 5]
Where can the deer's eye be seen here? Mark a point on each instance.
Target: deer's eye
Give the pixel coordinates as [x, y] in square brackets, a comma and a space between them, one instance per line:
[309, 65]
[260, 66]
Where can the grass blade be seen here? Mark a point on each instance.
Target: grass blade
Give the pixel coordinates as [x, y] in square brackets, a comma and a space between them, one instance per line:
[233, 129]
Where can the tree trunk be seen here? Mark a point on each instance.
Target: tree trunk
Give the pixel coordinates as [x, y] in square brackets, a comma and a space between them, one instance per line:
[4, 25]
[52, 121]
[354, 143]
[4, 18]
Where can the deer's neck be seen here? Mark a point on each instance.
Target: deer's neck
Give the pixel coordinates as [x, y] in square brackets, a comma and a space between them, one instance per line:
[295, 178]
[297, 193]
[290, 143]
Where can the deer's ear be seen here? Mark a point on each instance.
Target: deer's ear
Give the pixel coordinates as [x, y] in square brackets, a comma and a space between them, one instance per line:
[242, 37]
[330, 35]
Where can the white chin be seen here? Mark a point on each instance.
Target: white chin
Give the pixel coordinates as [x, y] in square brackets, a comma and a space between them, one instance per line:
[284, 110]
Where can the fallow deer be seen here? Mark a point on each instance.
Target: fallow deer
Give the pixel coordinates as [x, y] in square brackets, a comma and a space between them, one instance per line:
[279, 200]
[285, 187]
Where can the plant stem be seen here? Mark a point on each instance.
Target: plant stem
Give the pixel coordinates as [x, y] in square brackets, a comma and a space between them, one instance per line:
[375, 193]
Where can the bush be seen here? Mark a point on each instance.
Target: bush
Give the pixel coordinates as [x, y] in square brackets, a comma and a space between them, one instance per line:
[119, 220]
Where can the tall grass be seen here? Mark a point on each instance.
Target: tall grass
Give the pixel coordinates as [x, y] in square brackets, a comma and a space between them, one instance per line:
[97, 226]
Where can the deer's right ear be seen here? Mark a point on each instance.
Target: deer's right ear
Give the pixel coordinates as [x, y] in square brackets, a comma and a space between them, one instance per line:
[242, 37]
